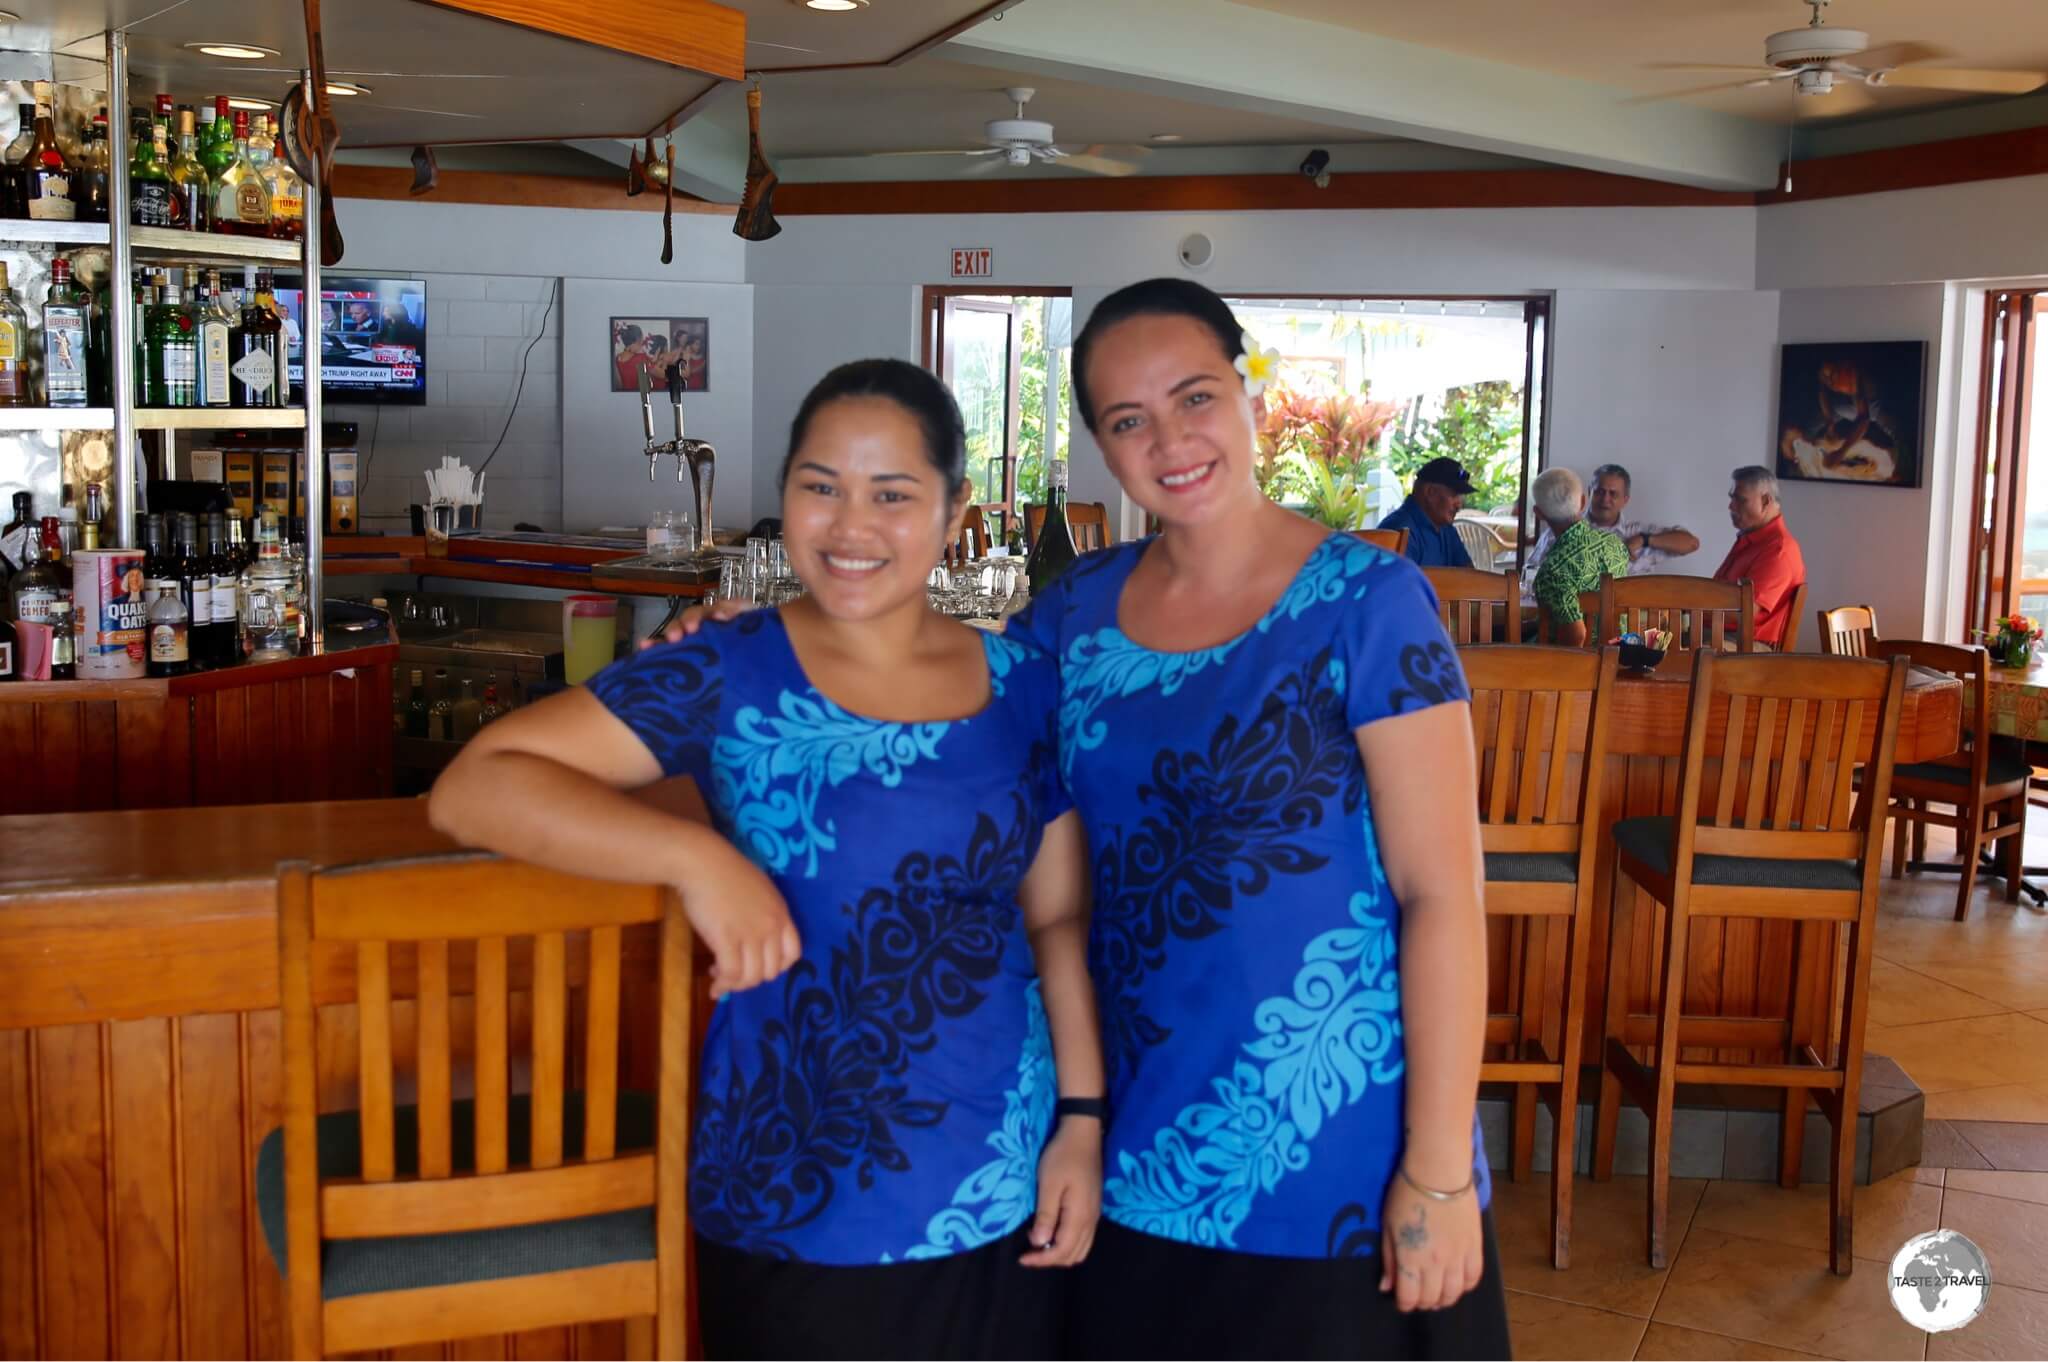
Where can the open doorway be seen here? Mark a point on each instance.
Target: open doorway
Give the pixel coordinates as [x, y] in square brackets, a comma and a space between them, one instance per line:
[1007, 357]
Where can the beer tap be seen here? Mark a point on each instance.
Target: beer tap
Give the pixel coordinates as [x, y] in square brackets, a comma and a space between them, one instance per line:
[701, 458]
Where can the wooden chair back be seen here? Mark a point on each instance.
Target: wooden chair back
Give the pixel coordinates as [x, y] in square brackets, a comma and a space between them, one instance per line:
[1589, 611]
[1393, 541]
[1468, 602]
[1969, 664]
[1089, 520]
[973, 541]
[1795, 611]
[1698, 611]
[1787, 749]
[1849, 631]
[1539, 726]
[472, 923]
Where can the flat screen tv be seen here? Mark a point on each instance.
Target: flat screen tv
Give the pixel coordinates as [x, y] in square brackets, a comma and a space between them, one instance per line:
[373, 338]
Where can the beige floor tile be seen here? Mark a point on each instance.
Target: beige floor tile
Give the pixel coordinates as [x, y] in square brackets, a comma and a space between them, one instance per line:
[2014, 1325]
[1540, 1328]
[1610, 1266]
[1971, 1052]
[1900, 996]
[1784, 1295]
[1668, 1341]
[1920, 1172]
[2015, 980]
[1886, 1215]
[2013, 1186]
[2007, 1102]
[2013, 1235]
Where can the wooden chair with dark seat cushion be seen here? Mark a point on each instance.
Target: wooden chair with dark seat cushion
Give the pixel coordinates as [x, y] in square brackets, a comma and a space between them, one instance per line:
[1698, 611]
[1475, 606]
[1089, 520]
[1393, 541]
[1848, 631]
[1781, 835]
[1539, 724]
[400, 1225]
[1984, 784]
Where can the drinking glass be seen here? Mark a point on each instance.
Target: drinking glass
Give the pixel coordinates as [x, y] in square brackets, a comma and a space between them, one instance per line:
[757, 565]
[668, 533]
[733, 582]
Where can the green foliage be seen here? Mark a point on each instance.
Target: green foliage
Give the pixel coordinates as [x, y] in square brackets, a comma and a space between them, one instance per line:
[1032, 452]
[980, 376]
[1334, 493]
[1481, 427]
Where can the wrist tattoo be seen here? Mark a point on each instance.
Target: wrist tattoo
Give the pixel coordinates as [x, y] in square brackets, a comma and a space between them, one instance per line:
[1413, 1234]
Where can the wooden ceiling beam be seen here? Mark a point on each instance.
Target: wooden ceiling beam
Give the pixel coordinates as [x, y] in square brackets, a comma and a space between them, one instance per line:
[694, 34]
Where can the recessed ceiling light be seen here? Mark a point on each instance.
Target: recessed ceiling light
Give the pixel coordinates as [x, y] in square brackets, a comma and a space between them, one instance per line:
[8, 16]
[251, 104]
[232, 51]
[1166, 137]
[344, 87]
[834, 6]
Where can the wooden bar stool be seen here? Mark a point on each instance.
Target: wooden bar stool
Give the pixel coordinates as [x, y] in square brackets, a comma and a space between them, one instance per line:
[402, 1225]
[1789, 839]
[1469, 601]
[1539, 724]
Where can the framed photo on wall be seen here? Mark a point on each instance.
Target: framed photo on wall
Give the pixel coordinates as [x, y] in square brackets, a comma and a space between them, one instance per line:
[657, 345]
[1851, 411]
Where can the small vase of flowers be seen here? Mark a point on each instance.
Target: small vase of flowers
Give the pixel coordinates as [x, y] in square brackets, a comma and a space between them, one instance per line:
[2011, 640]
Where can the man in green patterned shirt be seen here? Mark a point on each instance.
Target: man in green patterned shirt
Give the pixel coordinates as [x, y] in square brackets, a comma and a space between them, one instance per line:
[1581, 555]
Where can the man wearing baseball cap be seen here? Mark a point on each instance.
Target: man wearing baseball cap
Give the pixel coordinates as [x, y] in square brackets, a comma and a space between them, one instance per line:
[1440, 489]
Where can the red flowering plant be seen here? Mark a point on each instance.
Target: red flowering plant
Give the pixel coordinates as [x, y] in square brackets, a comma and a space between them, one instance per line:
[2011, 640]
[1311, 443]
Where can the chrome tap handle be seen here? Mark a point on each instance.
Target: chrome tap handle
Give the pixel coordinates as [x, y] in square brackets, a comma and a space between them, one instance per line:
[647, 413]
[653, 458]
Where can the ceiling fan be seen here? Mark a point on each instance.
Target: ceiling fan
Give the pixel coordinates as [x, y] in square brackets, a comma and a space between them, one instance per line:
[1840, 63]
[1019, 141]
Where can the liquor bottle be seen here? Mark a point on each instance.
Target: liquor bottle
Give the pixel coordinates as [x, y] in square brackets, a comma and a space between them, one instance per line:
[42, 582]
[241, 205]
[214, 326]
[227, 626]
[18, 540]
[14, 170]
[172, 351]
[195, 586]
[441, 713]
[191, 187]
[1054, 551]
[95, 512]
[217, 148]
[48, 180]
[14, 370]
[63, 642]
[170, 632]
[148, 287]
[269, 598]
[416, 706]
[466, 715]
[7, 672]
[89, 185]
[238, 549]
[67, 316]
[256, 348]
[149, 178]
[287, 190]
[491, 710]
[158, 575]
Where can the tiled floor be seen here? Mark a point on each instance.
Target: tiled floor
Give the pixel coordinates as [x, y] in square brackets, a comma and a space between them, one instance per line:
[1963, 1007]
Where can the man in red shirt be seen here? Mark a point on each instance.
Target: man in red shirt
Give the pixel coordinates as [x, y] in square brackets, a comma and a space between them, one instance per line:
[1765, 551]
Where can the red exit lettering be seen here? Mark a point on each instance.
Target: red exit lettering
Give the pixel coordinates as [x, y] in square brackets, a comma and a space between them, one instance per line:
[974, 262]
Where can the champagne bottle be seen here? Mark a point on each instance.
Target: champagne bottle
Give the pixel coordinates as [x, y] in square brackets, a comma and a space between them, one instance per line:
[1054, 549]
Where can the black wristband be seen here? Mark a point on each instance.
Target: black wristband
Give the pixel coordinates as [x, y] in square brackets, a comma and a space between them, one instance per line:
[1096, 1107]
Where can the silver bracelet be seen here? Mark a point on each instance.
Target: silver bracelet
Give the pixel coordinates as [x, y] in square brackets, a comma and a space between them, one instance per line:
[1432, 1193]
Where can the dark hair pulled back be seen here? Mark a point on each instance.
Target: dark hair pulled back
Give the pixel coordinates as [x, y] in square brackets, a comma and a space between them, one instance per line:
[1163, 297]
[917, 391]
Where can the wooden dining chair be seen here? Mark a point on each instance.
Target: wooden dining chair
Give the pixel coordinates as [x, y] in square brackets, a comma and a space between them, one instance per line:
[1589, 611]
[1697, 611]
[397, 1225]
[973, 540]
[1089, 521]
[1986, 787]
[1782, 834]
[1393, 541]
[1849, 631]
[1469, 601]
[1539, 726]
[1795, 611]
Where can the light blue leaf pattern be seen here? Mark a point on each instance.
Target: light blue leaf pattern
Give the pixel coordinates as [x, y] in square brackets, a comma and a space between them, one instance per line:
[1320, 1049]
[998, 1197]
[771, 769]
[1003, 655]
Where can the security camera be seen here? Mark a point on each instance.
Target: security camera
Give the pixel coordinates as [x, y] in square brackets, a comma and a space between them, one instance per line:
[1316, 164]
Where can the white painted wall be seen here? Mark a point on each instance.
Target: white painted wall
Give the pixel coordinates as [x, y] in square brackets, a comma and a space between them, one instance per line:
[1990, 229]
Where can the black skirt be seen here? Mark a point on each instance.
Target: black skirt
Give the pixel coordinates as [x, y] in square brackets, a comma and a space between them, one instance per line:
[1140, 1296]
[980, 1304]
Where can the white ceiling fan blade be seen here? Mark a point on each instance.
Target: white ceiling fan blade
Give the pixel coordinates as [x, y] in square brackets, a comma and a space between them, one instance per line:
[1751, 67]
[988, 167]
[1971, 82]
[1700, 90]
[1101, 165]
[942, 151]
[1848, 97]
[1895, 54]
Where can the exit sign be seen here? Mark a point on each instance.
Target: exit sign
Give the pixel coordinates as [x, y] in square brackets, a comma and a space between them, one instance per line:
[974, 262]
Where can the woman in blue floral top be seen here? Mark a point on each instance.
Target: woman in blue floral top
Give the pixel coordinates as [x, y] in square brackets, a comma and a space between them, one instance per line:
[1266, 732]
[895, 892]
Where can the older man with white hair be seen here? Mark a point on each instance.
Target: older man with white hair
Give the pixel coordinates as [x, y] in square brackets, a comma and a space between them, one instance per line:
[1579, 557]
[1765, 551]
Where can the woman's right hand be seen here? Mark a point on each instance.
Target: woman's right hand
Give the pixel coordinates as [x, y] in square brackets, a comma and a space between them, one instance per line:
[693, 619]
[741, 916]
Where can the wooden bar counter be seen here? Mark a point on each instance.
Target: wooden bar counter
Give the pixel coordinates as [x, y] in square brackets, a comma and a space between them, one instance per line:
[140, 1051]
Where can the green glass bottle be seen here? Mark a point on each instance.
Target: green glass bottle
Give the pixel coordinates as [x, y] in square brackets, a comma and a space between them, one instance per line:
[1053, 552]
[173, 350]
[217, 147]
[149, 178]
